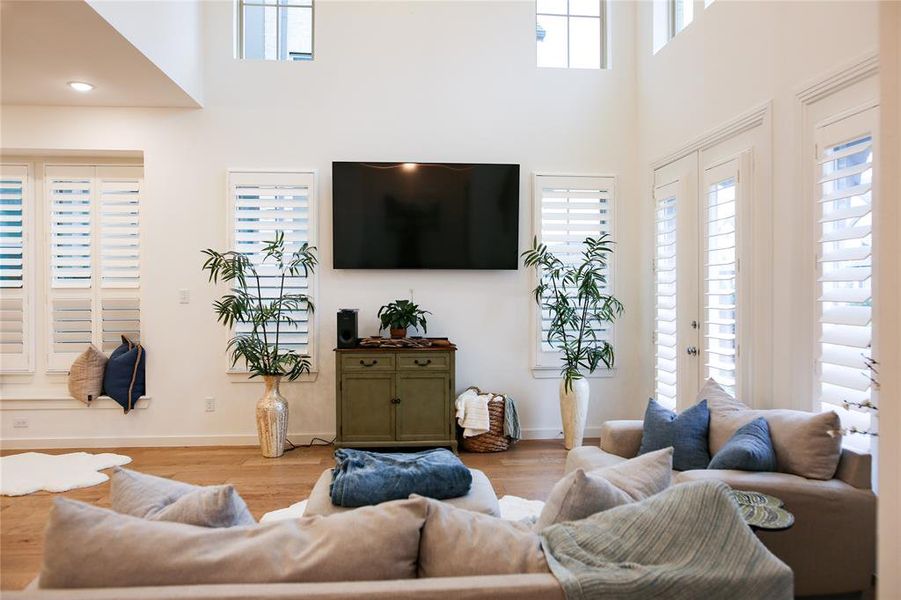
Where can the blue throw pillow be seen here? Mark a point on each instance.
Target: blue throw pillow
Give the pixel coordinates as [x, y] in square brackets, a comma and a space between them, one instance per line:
[685, 432]
[749, 449]
[124, 377]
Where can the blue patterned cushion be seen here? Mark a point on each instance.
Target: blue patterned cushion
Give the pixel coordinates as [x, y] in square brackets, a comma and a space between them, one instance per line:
[685, 432]
[749, 449]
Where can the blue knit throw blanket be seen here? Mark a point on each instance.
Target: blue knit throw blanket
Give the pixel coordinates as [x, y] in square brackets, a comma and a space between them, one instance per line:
[361, 478]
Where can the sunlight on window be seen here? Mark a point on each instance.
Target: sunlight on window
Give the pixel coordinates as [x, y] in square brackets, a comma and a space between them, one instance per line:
[276, 29]
[569, 34]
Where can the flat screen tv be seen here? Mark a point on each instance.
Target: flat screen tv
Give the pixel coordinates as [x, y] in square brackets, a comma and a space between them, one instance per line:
[425, 215]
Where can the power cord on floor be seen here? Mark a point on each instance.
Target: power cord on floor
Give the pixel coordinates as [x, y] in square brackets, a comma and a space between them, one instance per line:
[293, 446]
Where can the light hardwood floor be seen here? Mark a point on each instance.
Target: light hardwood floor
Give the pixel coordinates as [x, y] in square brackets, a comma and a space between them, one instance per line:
[529, 469]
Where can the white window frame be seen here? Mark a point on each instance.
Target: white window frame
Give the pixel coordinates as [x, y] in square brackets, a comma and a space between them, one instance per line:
[547, 365]
[857, 122]
[239, 27]
[25, 363]
[602, 18]
[239, 375]
[60, 362]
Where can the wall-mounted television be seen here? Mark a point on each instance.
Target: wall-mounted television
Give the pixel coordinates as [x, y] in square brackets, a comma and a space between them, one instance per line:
[389, 215]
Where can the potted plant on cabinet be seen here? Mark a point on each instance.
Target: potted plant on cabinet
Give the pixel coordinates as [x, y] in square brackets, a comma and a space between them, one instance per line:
[397, 316]
[259, 343]
[571, 295]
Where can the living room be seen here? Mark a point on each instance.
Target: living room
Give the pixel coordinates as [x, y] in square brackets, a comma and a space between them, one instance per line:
[644, 109]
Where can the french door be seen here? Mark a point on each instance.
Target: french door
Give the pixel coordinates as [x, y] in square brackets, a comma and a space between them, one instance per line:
[701, 208]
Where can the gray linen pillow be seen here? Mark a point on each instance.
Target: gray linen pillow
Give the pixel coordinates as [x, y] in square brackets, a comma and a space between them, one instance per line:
[581, 494]
[456, 542]
[370, 543]
[160, 499]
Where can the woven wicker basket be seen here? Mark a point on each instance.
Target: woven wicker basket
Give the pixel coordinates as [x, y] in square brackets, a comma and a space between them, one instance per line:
[494, 440]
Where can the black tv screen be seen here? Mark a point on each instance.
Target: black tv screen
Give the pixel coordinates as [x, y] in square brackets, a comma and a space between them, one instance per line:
[425, 215]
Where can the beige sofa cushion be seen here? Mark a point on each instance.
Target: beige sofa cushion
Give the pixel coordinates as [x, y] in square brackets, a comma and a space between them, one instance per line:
[86, 375]
[88, 546]
[805, 443]
[460, 543]
[581, 494]
[481, 497]
[159, 499]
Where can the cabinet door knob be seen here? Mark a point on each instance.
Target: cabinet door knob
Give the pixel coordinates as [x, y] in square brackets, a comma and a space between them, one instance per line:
[365, 364]
[395, 401]
[422, 364]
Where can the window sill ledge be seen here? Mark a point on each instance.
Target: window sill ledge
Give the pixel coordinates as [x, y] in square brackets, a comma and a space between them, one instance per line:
[67, 403]
[554, 373]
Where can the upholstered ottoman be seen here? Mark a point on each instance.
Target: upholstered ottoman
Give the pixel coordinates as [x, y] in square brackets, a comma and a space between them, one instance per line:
[481, 497]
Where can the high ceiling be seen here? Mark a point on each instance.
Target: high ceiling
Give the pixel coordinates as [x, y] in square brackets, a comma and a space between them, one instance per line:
[44, 45]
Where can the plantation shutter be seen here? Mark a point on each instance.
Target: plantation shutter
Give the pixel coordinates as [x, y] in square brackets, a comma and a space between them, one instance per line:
[263, 204]
[94, 253]
[571, 209]
[16, 341]
[719, 282]
[844, 270]
[665, 325]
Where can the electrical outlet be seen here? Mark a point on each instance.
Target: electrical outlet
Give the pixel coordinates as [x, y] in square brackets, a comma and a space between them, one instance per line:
[210, 404]
[20, 423]
[184, 296]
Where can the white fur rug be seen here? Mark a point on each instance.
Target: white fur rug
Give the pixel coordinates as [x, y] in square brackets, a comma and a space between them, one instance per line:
[29, 472]
[513, 508]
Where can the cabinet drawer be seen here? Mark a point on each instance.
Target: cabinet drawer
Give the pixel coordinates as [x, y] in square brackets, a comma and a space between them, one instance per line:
[367, 362]
[423, 361]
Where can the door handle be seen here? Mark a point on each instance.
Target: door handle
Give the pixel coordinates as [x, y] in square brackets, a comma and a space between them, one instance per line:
[692, 351]
[422, 364]
[395, 401]
[365, 364]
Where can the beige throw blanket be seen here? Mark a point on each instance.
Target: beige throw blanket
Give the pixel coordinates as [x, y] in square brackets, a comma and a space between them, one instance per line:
[685, 543]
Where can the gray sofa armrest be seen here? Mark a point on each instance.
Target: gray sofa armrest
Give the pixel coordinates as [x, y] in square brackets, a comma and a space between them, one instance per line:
[622, 438]
[855, 468]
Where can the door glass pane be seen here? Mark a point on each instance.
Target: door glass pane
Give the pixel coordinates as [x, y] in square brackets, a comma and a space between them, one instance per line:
[720, 284]
[665, 320]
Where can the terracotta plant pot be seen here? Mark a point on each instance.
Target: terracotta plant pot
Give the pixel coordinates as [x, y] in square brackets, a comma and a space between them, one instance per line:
[398, 332]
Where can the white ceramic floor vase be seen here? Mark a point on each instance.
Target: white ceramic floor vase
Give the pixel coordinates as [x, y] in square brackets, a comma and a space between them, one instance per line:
[272, 419]
[574, 411]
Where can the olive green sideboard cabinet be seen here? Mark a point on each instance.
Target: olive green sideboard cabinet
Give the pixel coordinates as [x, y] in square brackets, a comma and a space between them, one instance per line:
[393, 397]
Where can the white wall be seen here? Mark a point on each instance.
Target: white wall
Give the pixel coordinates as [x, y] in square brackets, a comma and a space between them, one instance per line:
[427, 81]
[888, 223]
[168, 32]
[734, 57]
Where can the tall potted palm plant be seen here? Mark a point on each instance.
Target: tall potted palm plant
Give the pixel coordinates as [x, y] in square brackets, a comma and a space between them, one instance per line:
[571, 295]
[260, 344]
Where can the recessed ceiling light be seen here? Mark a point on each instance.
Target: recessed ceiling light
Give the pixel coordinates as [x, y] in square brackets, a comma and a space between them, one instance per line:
[81, 86]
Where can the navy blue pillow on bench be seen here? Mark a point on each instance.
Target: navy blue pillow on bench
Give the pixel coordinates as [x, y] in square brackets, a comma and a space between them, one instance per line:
[749, 449]
[123, 380]
[685, 432]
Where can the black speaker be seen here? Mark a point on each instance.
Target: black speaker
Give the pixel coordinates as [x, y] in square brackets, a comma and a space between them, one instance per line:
[347, 328]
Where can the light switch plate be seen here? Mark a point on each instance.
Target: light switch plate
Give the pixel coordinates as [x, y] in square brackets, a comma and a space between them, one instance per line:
[184, 296]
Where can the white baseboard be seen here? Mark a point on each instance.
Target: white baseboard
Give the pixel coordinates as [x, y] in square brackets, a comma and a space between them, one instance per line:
[151, 441]
[236, 439]
[551, 433]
